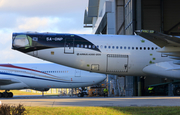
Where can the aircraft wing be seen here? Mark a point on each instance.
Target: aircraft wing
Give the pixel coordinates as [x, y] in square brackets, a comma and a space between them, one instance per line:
[7, 81]
[159, 39]
[170, 45]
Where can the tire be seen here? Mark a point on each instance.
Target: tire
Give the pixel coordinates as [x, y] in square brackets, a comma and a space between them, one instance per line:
[79, 94]
[1, 95]
[176, 91]
[5, 94]
[10, 94]
[82, 94]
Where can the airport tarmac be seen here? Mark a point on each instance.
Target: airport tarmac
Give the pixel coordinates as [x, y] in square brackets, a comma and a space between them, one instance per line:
[55, 101]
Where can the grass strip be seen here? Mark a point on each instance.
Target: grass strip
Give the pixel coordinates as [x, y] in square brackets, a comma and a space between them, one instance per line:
[103, 110]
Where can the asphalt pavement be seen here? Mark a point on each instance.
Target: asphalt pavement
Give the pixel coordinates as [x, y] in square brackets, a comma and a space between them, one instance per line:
[64, 101]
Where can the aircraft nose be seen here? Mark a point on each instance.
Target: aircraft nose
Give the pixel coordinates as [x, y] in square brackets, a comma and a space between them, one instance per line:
[20, 41]
[101, 77]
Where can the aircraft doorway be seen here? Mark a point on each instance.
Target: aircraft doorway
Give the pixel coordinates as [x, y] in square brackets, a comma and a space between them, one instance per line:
[69, 46]
[117, 63]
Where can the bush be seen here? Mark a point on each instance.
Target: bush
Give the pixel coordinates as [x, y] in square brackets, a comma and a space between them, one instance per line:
[12, 110]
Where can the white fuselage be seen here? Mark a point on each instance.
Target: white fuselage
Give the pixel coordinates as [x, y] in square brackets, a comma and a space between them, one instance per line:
[44, 76]
[119, 55]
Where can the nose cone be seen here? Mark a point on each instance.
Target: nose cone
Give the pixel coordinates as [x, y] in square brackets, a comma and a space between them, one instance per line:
[100, 77]
[92, 78]
[20, 41]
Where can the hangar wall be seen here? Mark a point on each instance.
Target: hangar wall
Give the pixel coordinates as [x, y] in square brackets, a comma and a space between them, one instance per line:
[126, 16]
[129, 15]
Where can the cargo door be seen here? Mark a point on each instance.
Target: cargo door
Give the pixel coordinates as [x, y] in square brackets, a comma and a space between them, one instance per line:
[117, 63]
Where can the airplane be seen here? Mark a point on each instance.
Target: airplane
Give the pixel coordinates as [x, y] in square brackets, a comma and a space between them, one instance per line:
[43, 76]
[148, 53]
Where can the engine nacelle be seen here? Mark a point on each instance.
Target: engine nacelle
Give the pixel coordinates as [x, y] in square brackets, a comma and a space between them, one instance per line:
[163, 69]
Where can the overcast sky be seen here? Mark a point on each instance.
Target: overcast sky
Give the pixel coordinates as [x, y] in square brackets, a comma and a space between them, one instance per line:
[62, 16]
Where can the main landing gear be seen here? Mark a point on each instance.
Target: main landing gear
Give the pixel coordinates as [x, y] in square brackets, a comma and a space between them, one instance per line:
[6, 94]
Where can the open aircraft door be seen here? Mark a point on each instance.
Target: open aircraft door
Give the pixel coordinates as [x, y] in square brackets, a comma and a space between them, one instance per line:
[69, 46]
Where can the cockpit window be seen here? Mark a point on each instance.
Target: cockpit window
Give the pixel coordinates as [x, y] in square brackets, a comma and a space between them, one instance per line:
[21, 41]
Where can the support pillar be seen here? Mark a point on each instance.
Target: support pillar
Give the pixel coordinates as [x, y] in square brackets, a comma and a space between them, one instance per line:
[170, 89]
[42, 93]
[109, 84]
[139, 86]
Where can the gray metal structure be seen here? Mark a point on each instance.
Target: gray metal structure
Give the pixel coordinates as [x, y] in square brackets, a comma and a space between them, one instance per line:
[126, 16]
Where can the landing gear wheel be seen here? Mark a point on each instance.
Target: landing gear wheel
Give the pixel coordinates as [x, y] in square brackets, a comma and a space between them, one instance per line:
[1, 95]
[82, 94]
[176, 91]
[79, 94]
[5, 94]
[10, 94]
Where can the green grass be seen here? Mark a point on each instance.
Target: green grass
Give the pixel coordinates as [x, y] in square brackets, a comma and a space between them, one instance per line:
[103, 110]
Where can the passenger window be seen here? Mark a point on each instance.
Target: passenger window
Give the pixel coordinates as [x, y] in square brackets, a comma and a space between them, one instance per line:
[148, 48]
[120, 47]
[129, 48]
[101, 46]
[112, 47]
[156, 48]
[124, 47]
[78, 45]
[97, 46]
[93, 46]
[105, 46]
[136, 48]
[109, 47]
[140, 48]
[152, 48]
[117, 47]
[132, 48]
[144, 48]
